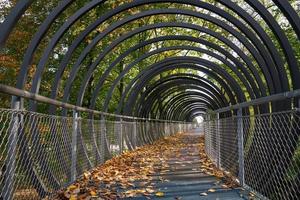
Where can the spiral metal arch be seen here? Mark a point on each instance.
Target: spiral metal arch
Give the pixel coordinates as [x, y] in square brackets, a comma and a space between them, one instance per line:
[260, 65]
[261, 46]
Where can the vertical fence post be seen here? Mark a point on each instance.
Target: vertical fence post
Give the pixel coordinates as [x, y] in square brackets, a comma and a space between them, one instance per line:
[134, 134]
[168, 131]
[180, 128]
[102, 139]
[240, 146]
[218, 140]
[74, 146]
[209, 135]
[166, 128]
[11, 161]
[121, 135]
[95, 138]
[147, 131]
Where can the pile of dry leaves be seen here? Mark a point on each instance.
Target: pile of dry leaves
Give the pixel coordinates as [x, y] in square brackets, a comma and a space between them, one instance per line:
[209, 168]
[120, 176]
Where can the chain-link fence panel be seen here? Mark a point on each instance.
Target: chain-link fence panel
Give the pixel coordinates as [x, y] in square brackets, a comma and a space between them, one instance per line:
[41, 153]
[272, 154]
[35, 153]
[262, 151]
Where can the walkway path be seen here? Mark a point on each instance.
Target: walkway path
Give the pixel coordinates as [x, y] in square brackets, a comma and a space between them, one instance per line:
[173, 168]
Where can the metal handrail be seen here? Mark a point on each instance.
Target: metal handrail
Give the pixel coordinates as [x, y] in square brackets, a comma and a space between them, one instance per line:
[259, 101]
[36, 97]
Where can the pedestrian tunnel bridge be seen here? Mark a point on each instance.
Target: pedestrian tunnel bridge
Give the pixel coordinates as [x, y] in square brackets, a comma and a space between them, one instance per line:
[83, 81]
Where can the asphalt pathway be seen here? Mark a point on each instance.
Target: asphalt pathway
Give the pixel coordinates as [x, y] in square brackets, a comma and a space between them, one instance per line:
[174, 167]
[185, 180]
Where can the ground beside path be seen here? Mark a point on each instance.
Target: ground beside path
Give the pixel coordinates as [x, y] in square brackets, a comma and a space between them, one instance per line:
[175, 167]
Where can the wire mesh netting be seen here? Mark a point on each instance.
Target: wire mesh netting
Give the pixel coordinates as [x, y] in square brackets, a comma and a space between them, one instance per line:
[42, 153]
[266, 158]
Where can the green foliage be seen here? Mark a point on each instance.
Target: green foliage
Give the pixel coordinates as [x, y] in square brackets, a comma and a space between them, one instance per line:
[11, 58]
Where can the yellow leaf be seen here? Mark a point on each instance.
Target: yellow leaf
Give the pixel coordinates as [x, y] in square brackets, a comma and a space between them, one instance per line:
[73, 197]
[251, 194]
[211, 190]
[72, 187]
[224, 186]
[159, 194]
[93, 193]
[150, 190]
[86, 175]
